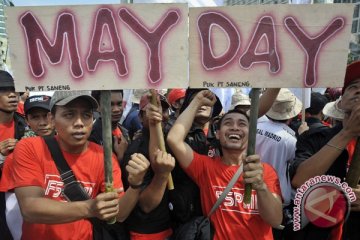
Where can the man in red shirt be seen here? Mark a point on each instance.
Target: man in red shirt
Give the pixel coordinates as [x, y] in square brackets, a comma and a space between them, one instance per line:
[39, 188]
[12, 127]
[233, 219]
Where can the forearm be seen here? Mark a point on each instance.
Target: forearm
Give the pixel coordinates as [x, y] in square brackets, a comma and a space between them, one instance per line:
[270, 207]
[127, 203]
[152, 195]
[48, 211]
[154, 143]
[320, 162]
[267, 100]
[182, 124]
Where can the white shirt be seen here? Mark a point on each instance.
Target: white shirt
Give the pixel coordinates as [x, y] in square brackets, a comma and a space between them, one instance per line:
[275, 143]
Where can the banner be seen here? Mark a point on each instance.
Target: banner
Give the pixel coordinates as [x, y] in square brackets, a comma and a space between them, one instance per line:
[99, 47]
[269, 45]
[146, 46]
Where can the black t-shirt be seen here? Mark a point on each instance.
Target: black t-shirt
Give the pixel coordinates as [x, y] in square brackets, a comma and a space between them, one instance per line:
[158, 219]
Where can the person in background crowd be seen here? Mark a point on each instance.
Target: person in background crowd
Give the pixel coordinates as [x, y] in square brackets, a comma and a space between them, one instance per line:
[240, 101]
[12, 128]
[212, 174]
[36, 109]
[38, 185]
[132, 122]
[120, 134]
[313, 114]
[328, 152]
[175, 98]
[334, 115]
[23, 97]
[275, 142]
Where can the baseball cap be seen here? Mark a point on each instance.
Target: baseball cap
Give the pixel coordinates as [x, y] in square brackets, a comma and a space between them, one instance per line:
[352, 73]
[6, 80]
[286, 106]
[38, 101]
[145, 100]
[61, 98]
[176, 94]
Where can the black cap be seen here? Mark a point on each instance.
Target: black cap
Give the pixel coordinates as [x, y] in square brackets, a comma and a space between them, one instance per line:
[41, 101]
[217, 108]
[6, 80]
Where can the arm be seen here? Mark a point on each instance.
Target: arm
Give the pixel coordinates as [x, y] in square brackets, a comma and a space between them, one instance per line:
[36, 208]
[312, 167]
[181, 127]
[137, 167]
[328, 154]
[161, 163]
[269, 203]
[152, 195]
[267, 99]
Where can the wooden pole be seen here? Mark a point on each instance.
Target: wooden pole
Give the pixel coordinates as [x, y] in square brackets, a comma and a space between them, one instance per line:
[353, 175]
[254, 112]
[105, 103]
[303, 106]
[160, 136]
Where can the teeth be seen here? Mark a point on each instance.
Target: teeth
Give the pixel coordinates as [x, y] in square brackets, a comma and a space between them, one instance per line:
[234, 136]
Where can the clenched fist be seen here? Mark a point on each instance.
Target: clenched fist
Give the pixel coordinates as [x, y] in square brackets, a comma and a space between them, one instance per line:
[137, 167]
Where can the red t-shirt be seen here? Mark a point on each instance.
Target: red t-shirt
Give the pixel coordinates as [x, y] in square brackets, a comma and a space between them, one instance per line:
[7, 130]
[6, 180]
[20, 108]
[233, 219]
[117, 132]
[34, 166]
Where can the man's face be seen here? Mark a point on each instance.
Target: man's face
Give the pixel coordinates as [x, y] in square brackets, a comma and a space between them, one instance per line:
[233, 132]
[203, 115]
[38, 121]
[116, 106]
[9, 99]
[73, 123]
[351, 96]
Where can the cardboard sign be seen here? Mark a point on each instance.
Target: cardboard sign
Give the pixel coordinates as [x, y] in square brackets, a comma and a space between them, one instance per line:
[269, 45]
[99, 47]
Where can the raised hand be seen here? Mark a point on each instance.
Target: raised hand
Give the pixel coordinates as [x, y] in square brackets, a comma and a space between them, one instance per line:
[205, 98]
[154, 114]
[163, 163]
[137, 167]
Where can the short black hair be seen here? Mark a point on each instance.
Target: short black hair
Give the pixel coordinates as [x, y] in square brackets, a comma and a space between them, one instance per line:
[96, 94]
[229, 112]
[318, 102]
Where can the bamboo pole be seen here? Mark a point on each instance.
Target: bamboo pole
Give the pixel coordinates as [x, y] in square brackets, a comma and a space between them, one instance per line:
[353, 175]
[160, 136]
[105, 102]
[254, 112]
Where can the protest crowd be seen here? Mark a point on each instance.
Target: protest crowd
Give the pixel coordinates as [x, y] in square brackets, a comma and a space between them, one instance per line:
[53, 179]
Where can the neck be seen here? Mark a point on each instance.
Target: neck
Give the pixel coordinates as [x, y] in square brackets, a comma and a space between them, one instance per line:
[233, 157]
[113, 126]
[6, 117]
[71, 148]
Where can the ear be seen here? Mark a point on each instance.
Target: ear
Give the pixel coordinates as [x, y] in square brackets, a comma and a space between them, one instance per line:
[217, 134]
